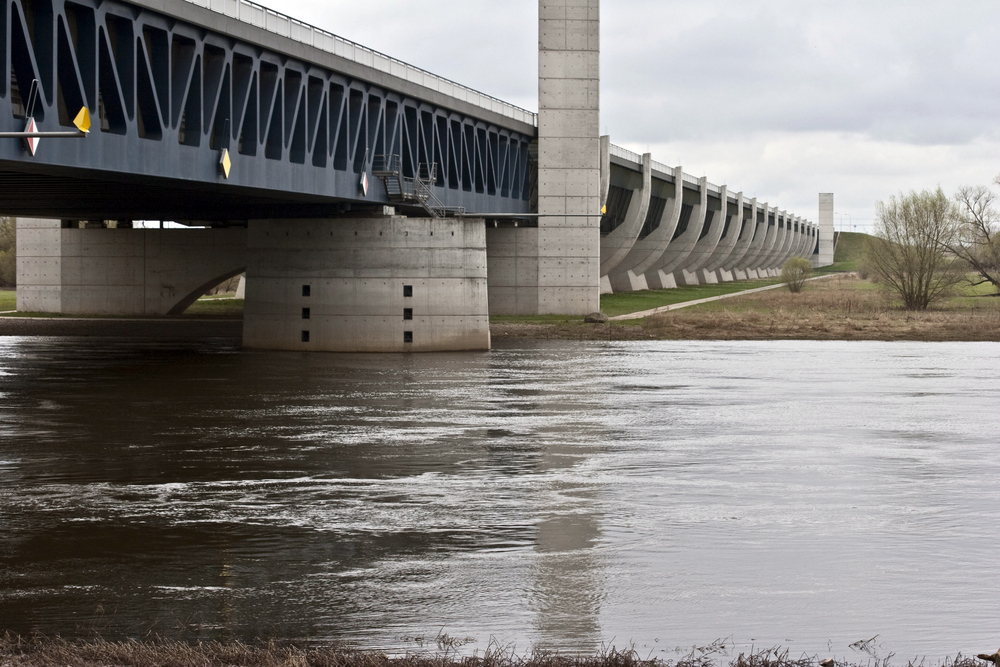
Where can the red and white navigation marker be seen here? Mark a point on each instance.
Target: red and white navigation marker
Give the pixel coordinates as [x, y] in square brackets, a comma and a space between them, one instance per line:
[364, 183]
[32, 142]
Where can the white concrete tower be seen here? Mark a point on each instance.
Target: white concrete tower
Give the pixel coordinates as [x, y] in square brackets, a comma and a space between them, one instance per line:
[825, 256]
[569, 172]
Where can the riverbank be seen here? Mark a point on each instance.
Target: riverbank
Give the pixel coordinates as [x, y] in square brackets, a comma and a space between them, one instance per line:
[18, 652]
[842, 307]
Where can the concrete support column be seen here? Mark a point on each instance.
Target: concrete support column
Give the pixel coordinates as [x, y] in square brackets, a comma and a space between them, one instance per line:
[767, 233]
[390, 284]
[735, 263]
[713, 272]
[617, 245]
[706, 245]
[569, 173]
[782, 245]
[662, 274]
[826, 231]
[125, 272]
[630, 273]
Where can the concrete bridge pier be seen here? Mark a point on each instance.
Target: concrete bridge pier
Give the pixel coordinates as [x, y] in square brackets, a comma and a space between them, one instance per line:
[383, 284]
[127, 272]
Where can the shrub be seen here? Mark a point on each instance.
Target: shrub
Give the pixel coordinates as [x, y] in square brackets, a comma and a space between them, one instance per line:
[795, 273]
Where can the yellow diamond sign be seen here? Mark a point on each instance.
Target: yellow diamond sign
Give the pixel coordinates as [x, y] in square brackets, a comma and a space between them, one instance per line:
[225, 164]
[82, 120]
[604, 209]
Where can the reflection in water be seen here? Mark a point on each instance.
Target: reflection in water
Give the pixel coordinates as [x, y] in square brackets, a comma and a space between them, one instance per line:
[555, 495]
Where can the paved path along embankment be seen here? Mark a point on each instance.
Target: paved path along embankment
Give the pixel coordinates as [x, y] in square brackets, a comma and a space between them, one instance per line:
[685, 304]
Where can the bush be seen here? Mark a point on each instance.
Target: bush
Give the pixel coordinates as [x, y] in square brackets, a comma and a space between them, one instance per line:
[908, 253]
[8, 252]
[796, 272]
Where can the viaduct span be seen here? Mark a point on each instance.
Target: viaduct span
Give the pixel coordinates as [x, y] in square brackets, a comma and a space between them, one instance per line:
[373, 205]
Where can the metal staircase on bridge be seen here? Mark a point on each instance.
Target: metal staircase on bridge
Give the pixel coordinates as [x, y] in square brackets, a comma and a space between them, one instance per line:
[416, 190]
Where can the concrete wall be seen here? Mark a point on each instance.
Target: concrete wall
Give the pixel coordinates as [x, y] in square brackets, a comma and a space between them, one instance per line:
[352, 275]
[123, 272]
[825, 255]
[512, 266]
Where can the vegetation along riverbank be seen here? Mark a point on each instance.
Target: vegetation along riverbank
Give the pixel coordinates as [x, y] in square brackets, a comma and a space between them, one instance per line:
[842, 307]
[47, 652]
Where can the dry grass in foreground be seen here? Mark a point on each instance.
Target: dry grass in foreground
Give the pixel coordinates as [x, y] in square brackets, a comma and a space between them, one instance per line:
[843, 307]
[840, 308]
[42, 652]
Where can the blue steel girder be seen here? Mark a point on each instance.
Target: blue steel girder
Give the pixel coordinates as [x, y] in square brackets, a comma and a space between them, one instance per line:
[168, 96]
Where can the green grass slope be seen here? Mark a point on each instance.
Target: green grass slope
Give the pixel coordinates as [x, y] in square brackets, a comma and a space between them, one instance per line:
[848, 252]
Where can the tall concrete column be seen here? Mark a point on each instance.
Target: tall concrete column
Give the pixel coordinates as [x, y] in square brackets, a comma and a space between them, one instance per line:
[569, 173]
[825, 256]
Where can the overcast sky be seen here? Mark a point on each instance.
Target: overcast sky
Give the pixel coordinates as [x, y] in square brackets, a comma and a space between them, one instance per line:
[780, 98]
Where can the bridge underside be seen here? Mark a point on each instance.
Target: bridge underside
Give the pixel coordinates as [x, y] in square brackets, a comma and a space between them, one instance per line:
[114, 197]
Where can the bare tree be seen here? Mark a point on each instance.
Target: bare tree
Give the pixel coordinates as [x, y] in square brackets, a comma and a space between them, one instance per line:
[978, 240]
[8, 251]
[908, 253]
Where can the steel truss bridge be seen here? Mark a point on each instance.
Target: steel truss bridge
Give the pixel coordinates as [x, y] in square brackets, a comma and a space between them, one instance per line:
[300, 113]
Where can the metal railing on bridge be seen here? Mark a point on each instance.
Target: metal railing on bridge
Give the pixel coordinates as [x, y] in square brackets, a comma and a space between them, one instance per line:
[688, 179]
[286, 26]
[626, 154]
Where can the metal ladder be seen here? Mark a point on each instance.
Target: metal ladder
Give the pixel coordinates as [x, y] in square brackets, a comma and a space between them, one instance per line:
[417, 190]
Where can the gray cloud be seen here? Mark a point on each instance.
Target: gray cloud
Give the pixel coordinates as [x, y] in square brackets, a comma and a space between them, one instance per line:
[915, 72]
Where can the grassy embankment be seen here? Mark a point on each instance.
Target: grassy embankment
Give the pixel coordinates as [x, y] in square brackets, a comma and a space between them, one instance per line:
[8, 300]
[17, 652]
[841, 307]
[838, 308]
[208, 307]
[848, 253]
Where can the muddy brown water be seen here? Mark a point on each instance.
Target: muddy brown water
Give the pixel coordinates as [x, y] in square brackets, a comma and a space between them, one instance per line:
[559, 495]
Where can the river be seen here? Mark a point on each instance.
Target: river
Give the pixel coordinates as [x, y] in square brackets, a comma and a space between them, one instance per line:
[554, 495]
